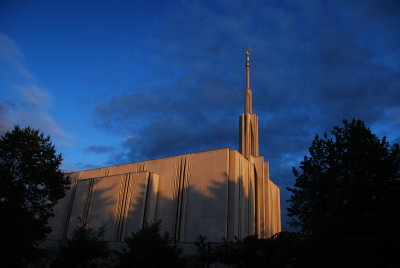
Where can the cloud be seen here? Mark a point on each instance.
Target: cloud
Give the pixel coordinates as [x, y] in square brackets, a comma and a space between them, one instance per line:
[80, 166]
[4, 109]
[172, 136]
[99, 149]
[173, 120]
[30, 102]
[29, 109]
[11, 56]
[33, 96]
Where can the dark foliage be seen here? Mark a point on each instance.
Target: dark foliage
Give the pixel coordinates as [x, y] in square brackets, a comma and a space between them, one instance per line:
[249, 252]
[30, 185]
[148, 248]
[85, 248]
[346, 199]
[205, 253]
[278, 251]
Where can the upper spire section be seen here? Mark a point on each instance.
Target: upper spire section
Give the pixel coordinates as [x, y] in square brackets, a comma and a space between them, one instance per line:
[248, 105]
[248, 68]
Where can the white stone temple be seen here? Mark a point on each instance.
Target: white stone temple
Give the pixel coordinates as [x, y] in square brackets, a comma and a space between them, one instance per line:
[221, 193]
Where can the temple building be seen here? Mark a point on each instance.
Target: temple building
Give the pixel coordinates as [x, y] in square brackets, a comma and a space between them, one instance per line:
[221, 193]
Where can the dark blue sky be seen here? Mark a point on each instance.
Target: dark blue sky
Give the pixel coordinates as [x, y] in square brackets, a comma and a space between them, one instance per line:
[120, 81]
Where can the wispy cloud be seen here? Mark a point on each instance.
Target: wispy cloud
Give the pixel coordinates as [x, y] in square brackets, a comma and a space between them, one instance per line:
[27, 103]
[33, 96]
[12, 57]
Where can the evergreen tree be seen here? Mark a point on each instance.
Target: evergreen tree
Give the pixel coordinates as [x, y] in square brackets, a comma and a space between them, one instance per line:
[85, 248]
[148, 248]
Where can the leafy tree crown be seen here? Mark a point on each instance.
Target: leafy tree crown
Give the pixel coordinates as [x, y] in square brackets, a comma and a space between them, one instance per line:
[30, 185]
[350, 181]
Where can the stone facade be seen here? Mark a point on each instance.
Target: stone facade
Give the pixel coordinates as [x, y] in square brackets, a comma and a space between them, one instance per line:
[216, 193]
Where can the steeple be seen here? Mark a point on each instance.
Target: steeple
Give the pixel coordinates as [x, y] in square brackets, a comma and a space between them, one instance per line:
[248, 120]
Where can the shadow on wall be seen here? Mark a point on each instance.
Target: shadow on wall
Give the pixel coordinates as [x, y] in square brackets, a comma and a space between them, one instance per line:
[218, 210]
[123, 203]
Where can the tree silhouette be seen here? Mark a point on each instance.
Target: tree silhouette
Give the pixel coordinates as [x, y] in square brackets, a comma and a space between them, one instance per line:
[346, 197]
[205, 253]
[85, 248]
[30, 185]
[277, 251]
[148, 248]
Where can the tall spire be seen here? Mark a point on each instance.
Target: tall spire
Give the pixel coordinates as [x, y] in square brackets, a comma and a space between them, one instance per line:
[248, 98]
[248, 120]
